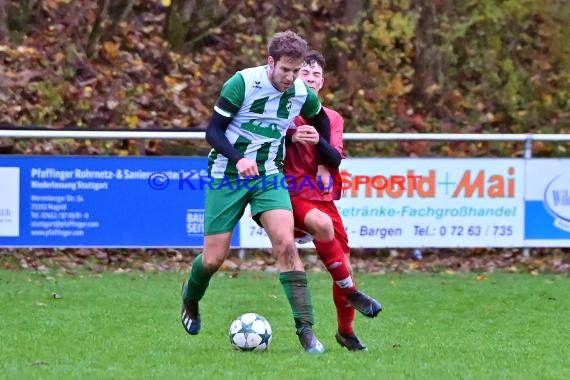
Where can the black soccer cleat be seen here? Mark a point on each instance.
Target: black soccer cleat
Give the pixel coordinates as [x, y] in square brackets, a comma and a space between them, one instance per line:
[350, 342]
[366, 305]
[309, 341]
[190, 315]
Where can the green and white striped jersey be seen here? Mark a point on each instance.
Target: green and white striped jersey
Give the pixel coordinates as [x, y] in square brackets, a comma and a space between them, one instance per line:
[258, 129]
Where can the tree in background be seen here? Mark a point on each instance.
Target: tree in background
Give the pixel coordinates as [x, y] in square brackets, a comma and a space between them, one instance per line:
[398, 65]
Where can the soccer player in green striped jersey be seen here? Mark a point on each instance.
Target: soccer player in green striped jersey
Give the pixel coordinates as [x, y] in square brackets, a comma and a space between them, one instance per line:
[247, 133]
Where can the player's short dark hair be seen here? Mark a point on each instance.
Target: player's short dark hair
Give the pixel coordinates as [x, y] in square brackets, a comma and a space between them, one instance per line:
[287, 44]
[315, 56]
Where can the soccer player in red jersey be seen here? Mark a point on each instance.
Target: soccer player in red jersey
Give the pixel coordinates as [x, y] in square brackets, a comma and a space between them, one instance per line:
[310, 166]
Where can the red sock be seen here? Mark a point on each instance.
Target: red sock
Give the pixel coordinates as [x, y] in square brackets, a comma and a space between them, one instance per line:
[345, 313]
[332, 256]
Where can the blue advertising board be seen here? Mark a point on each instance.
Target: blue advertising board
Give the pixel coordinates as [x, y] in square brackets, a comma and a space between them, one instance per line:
[86, 201]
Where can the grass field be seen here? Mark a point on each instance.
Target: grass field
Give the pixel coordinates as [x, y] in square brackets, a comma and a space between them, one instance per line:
[126, 326]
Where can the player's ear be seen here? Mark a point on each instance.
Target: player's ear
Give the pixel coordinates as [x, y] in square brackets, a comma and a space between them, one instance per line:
[271, 62]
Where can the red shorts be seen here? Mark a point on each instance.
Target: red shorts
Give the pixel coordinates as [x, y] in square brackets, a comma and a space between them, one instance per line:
[302, 206]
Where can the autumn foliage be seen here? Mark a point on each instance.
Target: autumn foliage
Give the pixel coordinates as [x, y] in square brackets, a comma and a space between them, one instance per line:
[393, 66]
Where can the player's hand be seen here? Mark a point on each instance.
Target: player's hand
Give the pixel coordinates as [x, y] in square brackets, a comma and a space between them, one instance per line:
[306, 134]
[247, 167]
[324, 179]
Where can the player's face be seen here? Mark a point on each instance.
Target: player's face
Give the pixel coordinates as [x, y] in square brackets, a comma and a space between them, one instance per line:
[312, 75]
[282, 73]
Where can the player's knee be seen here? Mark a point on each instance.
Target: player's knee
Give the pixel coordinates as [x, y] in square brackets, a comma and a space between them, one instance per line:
[323, 228]
[212, 263]
[284, 245]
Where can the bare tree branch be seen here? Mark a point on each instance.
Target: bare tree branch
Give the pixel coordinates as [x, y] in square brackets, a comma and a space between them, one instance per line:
[97, 30]
[177, 21]
[124, 14]
[3, 19]
[214, 24]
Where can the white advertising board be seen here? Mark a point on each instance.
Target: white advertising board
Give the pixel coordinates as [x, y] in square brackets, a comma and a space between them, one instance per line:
[547, 203]
[455, 203]
[9, 201]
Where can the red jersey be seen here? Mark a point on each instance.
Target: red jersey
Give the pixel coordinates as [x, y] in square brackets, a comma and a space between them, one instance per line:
[300, 164]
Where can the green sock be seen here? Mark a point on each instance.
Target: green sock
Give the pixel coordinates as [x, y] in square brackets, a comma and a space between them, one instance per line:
[198, 281]
[295, 286]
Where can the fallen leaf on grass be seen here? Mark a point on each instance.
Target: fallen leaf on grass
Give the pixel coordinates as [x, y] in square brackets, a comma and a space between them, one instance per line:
[481, 277]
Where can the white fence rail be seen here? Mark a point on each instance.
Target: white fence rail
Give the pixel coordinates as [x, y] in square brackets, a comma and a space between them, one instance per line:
[189, 135]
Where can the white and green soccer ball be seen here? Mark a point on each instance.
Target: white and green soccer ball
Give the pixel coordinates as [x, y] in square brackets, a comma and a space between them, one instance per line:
[250, 332]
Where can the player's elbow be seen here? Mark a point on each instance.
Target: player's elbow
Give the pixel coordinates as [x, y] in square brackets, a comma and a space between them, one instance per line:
[332, 159]
[210, 136]
[213, 134]
[335, 161]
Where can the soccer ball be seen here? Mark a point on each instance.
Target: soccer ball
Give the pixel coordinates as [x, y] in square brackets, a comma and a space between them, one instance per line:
[250, 332]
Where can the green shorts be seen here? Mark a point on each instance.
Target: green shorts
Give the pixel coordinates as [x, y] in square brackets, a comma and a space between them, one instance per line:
[226, 200]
